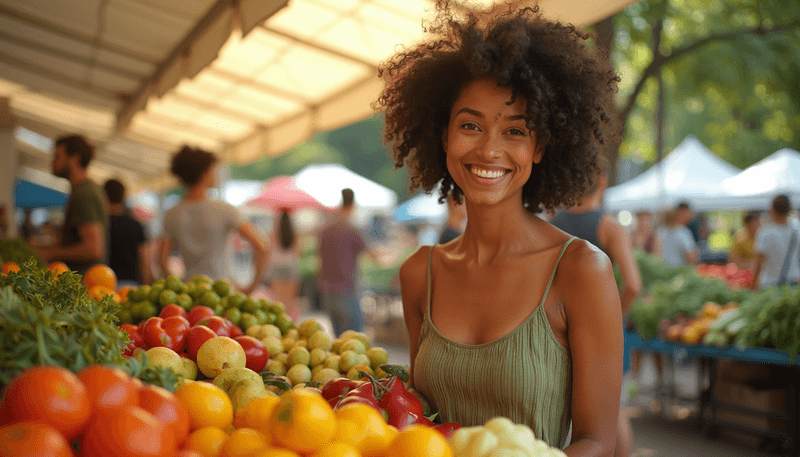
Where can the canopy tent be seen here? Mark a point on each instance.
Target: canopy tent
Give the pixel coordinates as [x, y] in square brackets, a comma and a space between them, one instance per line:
[422, 208]
[282, 192]
[754, 187]
[690, 172]
[244, 78]
[325, 183]
[37, 189]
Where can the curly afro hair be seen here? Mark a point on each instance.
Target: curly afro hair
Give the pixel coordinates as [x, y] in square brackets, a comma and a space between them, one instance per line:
[568, 89]
[189, 164]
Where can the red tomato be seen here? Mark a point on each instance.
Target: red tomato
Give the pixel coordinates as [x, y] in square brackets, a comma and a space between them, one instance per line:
[108, 387]
[128, 432]
[198, 335]
[198, 313]
[219, 325]
[33, 439]
[234, 329]
[170, 332]
[256, 352]
[166, 407]
[135, 335]
[172, 310]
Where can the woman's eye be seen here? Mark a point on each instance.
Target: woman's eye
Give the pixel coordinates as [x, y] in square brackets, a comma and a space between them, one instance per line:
[517, 132]
[469, 126]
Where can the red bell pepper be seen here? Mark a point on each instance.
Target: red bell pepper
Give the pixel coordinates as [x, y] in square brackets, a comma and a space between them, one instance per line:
[170, 332]
[336, 389]
[447, 429]
[402, 406]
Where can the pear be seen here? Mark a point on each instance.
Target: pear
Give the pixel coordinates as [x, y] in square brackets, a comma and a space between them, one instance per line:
[164, 357]
[309, 327]
[299, 356]
[353, 372]
[283, 358]
[318, 356]
[336, 345]
[299, 374]
[326, 374]
[320, 340]
[270, 330]
[220, 353]
[189, 369]
[233, 376]
[362, 359]
[377, 357]
[276, 367]
[254, 331]
[332, 361]
[274, 345]
[244, 391]
[347, 360]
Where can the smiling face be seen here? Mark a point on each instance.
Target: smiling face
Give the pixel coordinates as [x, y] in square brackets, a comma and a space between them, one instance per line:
[489, 149]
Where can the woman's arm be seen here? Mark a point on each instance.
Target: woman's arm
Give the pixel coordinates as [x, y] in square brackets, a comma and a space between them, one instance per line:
[414, 292]
[260, 257]
[594, 329]
[163, 256]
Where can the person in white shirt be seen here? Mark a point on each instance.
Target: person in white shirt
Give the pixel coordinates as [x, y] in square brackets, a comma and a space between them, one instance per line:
[677, 244]
[777, 247]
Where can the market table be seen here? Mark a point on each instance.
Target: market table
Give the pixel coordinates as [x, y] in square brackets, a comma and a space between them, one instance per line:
[708, 357]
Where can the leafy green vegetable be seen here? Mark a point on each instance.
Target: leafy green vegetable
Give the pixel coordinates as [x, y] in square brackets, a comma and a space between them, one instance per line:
[17, 251]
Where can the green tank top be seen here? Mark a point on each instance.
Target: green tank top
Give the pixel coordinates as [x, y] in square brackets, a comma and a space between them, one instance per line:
[523, 375]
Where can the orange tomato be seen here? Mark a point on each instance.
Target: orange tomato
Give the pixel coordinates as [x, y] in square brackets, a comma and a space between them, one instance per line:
[58, 268]
[51, 395]
[208, 441]
[33, 439]
[363, 427]
[257, 413]
[8, 267]
[127, 432]
[108, 387]
[100, 275]
[337, 450]
[243, 442]
[419, 441]
[208, 405]
[166, 407]
[303, 421]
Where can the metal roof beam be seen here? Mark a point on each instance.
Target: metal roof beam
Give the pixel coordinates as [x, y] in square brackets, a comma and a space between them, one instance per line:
[202, 104]
[259, 85]
[321, 47]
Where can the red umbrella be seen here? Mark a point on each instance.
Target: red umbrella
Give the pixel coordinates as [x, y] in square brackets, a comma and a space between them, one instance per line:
[282, 192]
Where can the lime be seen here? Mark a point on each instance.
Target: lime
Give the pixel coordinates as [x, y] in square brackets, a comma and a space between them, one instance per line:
[139, 294]
[201, 279]
[249, 306]
[284, 323]
[155, 292]
[143, 310]
[172, 283]
[184, 301]
[222, 287]
[167, 297]
[247, 320]
[261, 316]
[225, 302]
[197, 290]
[237, 299]
[125, 316]
[271, 318]
[183, 288]
[218, 310]
[210, 299]
[233, 315]
[263, 303]
[276, 308]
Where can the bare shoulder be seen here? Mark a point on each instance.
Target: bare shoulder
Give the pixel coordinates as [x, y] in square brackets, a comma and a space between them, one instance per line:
[584, 271]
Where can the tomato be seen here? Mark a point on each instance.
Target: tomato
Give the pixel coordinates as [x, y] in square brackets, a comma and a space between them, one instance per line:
[173, 310]
[256, 352]
[108, 387]
[218, 325]
[128, 432]
[198, 313]
[198, 335]
[51, 395]
[166, 407]
[33, 439]
[235, 330]
[135, 335]
[170, 332]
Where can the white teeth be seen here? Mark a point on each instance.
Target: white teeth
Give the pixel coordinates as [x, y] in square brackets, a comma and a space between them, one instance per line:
[486, 173]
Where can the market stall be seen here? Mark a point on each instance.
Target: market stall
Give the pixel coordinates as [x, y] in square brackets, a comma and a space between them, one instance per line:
[754, 187]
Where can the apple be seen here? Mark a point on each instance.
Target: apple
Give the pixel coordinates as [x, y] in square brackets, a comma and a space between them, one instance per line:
[198, 313]
[256, 352]
[218, 354]
[164, 357]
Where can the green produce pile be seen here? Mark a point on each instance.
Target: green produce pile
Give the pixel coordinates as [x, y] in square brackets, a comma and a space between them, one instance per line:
[772, 320]
[49, 321]
[19, 252]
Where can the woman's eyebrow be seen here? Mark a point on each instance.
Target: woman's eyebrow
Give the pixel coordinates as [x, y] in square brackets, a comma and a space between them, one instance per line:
[470, 111]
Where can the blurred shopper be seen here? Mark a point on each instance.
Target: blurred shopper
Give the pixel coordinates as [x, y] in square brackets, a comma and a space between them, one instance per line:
[456, 218]
[84, 233]
[27, 230]
[644, 236]
[128, 255]
[3, 222]
[588, 221]
[776, 247]
[200, 228]
[687, 218]
[677, 244]
[743, 252]
[340, 245]
[284, 270]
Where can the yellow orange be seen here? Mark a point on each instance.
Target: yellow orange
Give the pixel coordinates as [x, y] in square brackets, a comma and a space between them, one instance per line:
[98, 292]
[364, 428]
[275, 452]
[208, 405]
[243, 442]
[8, 267]
[303, 421]
[337, 450]
[58, 268]
[208, 441]
[100, 275]
[419, 441]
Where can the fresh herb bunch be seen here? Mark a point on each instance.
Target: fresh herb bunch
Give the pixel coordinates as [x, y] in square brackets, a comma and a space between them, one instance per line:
[773, 320]
[17, 251]
[49, 321]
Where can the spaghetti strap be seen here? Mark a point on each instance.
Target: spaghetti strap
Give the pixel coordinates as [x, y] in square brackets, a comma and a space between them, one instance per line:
[430, 261]
[555, 267]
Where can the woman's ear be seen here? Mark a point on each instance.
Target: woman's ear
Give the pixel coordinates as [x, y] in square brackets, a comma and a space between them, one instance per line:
[538, 153]
[444, 140]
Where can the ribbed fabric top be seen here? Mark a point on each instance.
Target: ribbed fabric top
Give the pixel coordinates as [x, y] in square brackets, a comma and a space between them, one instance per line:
[523, 375]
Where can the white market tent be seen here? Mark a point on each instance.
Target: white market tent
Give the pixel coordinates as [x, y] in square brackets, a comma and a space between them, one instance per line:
[325, 183]
[689, 172]
[244, 78]
[754, 187]
[422, 208]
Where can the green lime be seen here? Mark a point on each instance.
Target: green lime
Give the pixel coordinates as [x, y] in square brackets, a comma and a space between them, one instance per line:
[210, 299]
[261, 316]
[172, 283]
[233, 315]
[159, 283]
[202, 279]
[284, 323]
[276, 308]
[139, 294]
[249, 306]
[167, 297]
[143, 310]
[237, 299]
[271, 318]
[222, 287]
[263, 303]
[155, 293]
[218, 310]
[125, 316]
[247, 320]
[197, 291]
[184, 301]
[225, 302]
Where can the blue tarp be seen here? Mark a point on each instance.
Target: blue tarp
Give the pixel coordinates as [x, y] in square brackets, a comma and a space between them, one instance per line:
[28, 195]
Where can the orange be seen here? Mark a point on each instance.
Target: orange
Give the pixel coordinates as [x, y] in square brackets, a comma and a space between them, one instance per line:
[123, 292]
[257, 413]
[337, 450]
[419, 441]
[208, 405]
[275, 452]
[186, 453]
[8, 267]
[364, 428]
[51, 395]
[58, 268]
[208, 441]
[33, 439]
[100, 275]
[243, 442]
[127, 432]
[98, 292]
[303, 421]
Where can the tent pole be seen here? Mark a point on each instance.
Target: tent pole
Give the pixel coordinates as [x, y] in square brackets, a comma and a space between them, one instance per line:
[9, 161]
[660, 138]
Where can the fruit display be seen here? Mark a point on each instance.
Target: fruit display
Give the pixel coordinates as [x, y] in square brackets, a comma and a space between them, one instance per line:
[500, 437]
[734, 277]
[18, 252]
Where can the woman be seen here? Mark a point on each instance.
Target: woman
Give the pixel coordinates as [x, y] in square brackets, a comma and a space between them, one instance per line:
[284, 275]
[199, 228]
[644, 237]
[513, 318]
